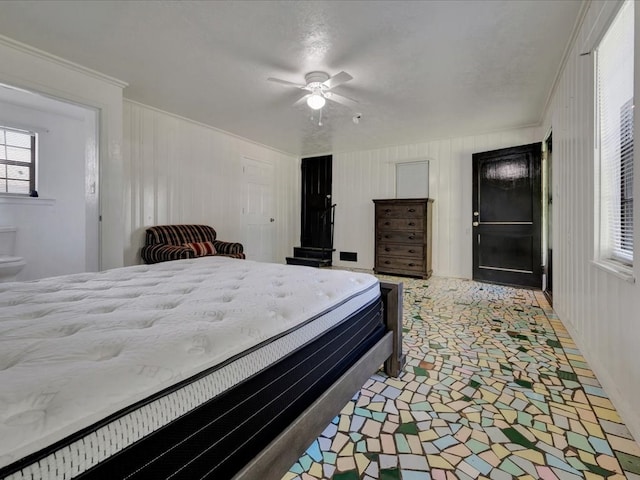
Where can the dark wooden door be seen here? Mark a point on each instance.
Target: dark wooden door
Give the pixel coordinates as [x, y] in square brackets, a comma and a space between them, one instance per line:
[548, 269]
[316, 202]
[507, 216]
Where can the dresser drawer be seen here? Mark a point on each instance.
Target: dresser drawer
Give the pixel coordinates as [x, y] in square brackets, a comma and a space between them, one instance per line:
[400, 250]
[400, 236]
[400, 211]
[400, 263]
[399, 224]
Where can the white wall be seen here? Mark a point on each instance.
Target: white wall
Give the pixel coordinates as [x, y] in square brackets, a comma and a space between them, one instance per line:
[179, 171]
[52, 229]
[359, 177]
[601, 311]
[33, 69]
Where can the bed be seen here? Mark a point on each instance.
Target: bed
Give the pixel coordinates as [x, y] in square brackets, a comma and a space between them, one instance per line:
[203, 368]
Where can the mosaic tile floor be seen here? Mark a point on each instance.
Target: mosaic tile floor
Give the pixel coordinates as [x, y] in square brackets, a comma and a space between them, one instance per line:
[494, 388]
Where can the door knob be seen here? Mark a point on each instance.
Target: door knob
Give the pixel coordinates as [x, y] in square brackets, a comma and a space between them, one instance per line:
[272, 220]
[475, 214]
[475, 224]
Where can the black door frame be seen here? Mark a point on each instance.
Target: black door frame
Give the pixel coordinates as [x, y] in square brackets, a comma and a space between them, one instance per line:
[548, 228]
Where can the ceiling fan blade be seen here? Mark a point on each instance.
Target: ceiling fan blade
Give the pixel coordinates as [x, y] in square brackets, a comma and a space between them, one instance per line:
[337, 79]
[341, 99]
[301, 100]
[285, 82]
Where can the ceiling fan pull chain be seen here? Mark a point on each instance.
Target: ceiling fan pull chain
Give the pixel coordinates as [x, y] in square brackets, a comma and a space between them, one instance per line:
[320, 118]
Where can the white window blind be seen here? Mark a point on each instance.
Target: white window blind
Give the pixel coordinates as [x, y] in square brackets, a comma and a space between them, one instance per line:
[614, 73]
[17, 161]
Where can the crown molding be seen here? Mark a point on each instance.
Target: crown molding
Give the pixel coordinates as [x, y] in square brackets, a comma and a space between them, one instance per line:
[210, 127]
[23, 47]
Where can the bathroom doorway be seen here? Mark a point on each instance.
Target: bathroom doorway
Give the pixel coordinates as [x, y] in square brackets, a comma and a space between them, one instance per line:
[57, 232]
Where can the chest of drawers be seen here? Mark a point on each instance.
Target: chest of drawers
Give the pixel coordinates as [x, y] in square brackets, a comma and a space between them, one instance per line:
[403, 237]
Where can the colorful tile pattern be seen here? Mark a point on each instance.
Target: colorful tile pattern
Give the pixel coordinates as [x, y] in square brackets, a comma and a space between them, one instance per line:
[494, 388]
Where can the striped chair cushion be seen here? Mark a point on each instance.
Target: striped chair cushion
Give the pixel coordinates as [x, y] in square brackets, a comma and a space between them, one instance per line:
[202, 249]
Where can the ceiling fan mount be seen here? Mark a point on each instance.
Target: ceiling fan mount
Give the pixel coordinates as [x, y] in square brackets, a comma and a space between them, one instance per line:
[316, 77]
[319, 85]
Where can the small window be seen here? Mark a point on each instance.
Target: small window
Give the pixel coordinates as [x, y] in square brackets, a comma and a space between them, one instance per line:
[17, 161]
[614, 87]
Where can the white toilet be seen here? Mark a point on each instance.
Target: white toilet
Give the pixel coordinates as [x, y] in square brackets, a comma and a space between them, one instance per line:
[10, 265]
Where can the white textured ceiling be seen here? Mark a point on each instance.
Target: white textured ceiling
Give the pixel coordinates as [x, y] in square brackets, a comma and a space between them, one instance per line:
[421, 69]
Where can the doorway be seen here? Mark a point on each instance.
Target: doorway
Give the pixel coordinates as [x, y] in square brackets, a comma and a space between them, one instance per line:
[257, 210]
[507, 216]
[63, 222]
[548, 184]
[316, 212]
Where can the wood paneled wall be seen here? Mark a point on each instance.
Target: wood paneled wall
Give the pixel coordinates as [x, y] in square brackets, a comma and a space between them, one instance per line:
[179, 171]
[359, 177]
[601, 310]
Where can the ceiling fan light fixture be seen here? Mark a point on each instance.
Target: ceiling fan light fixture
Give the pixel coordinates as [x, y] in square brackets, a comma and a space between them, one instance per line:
[316, 101]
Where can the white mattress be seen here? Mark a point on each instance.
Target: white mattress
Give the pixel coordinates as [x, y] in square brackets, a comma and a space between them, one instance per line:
[78, 348]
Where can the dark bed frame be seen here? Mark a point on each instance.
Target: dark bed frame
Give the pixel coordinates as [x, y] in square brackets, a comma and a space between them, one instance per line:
[275, 460]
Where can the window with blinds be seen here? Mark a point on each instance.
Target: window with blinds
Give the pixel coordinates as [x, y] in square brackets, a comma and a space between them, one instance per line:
[614, 89]
[17, 161]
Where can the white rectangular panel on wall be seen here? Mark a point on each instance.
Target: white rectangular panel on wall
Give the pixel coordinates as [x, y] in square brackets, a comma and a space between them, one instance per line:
[412, 180]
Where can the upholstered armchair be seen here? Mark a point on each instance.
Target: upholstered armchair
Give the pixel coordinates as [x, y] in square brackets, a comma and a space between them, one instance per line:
[175, 242]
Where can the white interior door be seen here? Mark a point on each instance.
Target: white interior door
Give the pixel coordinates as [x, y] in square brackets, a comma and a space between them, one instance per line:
[258, 210]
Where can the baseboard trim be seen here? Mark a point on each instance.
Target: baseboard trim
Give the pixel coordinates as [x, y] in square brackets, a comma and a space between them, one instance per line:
[629, 415]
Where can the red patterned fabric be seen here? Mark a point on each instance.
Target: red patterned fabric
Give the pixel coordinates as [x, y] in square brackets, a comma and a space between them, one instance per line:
[202, 249]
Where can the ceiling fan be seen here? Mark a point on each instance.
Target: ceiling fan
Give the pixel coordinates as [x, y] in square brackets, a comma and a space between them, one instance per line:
[320, 85]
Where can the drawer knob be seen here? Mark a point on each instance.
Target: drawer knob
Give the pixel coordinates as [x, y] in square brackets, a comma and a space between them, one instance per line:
[412, 251]
[412, 210]
[411, 237]
[387, 236]
[387, 262]
[411, 224]
[387, 249]
[387, 223]
[412, 264]
[387, 210]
